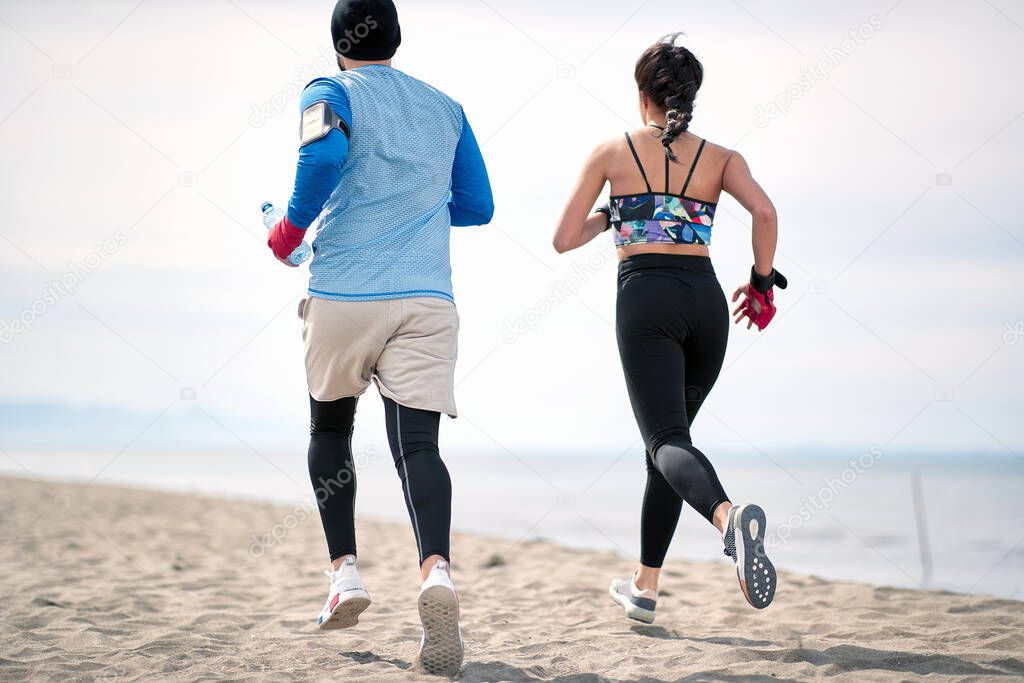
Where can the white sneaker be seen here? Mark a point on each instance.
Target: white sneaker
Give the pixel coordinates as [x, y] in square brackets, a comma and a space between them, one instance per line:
[639, 604]
[346, 600]
[441, 648]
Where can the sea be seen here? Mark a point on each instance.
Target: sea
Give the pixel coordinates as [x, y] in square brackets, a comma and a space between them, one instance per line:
[946, 522]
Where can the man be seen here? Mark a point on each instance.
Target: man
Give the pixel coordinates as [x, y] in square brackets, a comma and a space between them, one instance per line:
[389, 164]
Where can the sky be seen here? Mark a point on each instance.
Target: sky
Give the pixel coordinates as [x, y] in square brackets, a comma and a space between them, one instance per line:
[139, 139]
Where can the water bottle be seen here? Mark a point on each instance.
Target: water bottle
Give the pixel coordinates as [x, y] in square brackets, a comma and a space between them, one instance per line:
[271, 216]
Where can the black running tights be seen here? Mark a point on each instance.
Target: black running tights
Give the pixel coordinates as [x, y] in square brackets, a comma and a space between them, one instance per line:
[672, 323]
[412, 435]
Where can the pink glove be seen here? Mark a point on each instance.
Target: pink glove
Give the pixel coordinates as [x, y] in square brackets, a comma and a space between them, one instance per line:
[766, 303]
[284, 239]
[759, 305]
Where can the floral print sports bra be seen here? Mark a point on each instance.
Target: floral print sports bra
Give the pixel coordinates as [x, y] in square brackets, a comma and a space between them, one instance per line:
[660, 217]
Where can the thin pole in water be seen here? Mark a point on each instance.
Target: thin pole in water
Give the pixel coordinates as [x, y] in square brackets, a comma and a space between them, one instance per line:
[923, 545]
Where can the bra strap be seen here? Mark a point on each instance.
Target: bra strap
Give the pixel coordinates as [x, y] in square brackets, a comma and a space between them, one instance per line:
[639, 165]
[693, 167]
[667, 160]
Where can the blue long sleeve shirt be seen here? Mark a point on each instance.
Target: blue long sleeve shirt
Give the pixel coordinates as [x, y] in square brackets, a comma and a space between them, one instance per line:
[388, 196]
[320, 162]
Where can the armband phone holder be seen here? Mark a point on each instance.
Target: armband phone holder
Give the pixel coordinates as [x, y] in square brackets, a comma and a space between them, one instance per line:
[318, 119]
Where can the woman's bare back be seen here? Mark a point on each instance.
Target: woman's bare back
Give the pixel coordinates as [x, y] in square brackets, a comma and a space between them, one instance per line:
[705, 185]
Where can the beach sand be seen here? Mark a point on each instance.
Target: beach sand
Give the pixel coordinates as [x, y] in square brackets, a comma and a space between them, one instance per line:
[105, 582]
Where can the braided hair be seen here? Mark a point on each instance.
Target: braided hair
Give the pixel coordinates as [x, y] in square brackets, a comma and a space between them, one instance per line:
[670, 75]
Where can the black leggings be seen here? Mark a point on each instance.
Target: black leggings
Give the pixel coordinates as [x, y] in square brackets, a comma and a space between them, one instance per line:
[412, 435]
[672, 324]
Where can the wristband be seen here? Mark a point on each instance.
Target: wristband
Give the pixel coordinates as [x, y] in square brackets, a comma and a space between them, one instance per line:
[606, 209]
[284, 238]
[764, 283]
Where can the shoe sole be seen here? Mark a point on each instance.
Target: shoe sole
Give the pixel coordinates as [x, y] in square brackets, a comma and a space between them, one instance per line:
[346, 612]
[442, 650]
[635, 613]
[754, 570]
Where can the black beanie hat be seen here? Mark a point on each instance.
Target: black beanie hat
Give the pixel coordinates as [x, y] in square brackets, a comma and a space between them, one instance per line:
[366, 30]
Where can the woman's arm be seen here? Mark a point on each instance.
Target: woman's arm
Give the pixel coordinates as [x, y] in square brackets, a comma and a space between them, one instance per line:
[756, 300]
[577, 225]
[739, 183]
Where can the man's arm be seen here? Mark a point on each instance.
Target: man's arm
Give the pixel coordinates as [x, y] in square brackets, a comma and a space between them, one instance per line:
[318, 171]
[472, 202]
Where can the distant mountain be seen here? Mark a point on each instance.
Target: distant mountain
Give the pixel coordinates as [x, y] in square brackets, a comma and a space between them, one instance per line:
[54, 425]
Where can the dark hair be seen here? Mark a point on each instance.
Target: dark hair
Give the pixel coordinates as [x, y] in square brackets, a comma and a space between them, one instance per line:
[670, 75]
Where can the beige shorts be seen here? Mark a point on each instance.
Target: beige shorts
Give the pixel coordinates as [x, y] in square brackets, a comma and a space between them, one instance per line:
[407, 346]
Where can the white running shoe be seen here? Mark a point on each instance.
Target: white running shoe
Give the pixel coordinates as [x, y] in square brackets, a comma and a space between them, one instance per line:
[346, 600]
[639, 604]
[441, 648]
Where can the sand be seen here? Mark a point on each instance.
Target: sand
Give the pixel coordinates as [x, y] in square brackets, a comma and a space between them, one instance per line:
[102, 582]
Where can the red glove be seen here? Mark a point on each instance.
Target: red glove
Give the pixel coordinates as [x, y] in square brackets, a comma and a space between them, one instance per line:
[766, 304]
[759, 305]
[284, 239]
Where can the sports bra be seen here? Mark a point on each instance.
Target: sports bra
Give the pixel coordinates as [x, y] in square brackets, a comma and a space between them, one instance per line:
[660, 217]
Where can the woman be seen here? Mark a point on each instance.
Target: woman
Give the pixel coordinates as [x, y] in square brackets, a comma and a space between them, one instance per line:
[672, 318]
